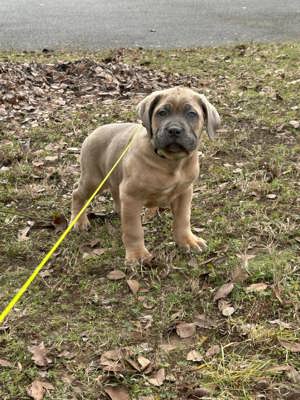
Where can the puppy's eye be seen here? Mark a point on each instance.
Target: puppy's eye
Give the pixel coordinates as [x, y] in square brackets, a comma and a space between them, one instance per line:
[192, 114]
[162, 113]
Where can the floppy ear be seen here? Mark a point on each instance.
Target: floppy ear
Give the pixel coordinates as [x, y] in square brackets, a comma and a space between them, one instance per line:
[146, 107]
[212, 117]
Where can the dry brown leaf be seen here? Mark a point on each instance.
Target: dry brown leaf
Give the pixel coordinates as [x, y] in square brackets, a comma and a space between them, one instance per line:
[226, 308]
[93, 252]
[271, 196]
[185, 330]
[256, 287]
[277, 289]
[22, 234]
[278, 368]
[143, 361]
[99, 252]
[239, 275]
[282, 324]
[115, 275]
[112, 360]
[39, 355]
[5, 363]
[223, 291]
[158, 378]
[134, 285]
[117, 392]
[93, 243]
[133, 363]
[38, 389]
[168, 347]
[59, 222]
[245, 259]
[68, 379]
[194, 355]
[213, 350]
[97, 81]
[202, 321]
[51, 159]
[198, 393]
[295, 124]
[115, 355]
[293, 375]
[293, 347]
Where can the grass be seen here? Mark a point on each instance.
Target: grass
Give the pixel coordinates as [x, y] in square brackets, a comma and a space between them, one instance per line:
[78, 313]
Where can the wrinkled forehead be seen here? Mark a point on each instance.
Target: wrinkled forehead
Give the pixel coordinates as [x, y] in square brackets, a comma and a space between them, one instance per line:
[179, 101]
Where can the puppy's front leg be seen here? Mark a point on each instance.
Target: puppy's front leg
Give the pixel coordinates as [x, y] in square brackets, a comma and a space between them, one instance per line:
[181, 208]
[132, 230]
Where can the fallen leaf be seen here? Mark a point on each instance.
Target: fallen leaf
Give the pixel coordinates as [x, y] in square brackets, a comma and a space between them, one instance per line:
[68, 379]
[94, 242]
[194, 355]
[239, 275]
[39, 355]
[22, 234]
[59, 222]
[143, 361]
[212, 351]
[282, 324]
[117, 392]
[5, 363]
[112, 360]
[293, 375]
[198, 393]
[134, 285]
[51, 159]
[37, 163]
[295, 124]
[226, 308]
[185, 330]
[277, 289]
[291, 372]
[245, 259]
[278, 368]
[256, 287]
[168, 347]
[158, 378]
[223, 291]
[171, 378]
[293, 347]
[38, 389]
[115, 275]
[94, 252]
[133, 363]
[202, 321]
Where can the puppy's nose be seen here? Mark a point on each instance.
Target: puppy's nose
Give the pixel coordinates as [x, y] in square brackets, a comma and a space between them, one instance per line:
[174, 130]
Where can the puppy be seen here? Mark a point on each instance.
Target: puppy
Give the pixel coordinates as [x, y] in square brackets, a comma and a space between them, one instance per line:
[158, 170]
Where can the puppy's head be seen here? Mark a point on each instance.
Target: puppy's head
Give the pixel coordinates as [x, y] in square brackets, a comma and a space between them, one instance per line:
[174, 119]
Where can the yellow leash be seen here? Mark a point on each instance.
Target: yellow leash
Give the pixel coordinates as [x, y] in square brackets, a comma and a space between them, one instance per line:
[23, 289]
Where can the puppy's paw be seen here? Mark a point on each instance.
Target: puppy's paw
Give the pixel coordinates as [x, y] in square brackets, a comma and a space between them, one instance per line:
[189, 241]
[83, 224]
[138, 256]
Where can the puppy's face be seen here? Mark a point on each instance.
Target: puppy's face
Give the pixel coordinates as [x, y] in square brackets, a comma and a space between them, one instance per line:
[176, 122]
[174, 119]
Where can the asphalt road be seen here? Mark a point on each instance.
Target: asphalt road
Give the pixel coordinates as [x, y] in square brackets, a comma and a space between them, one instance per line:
[98, 24]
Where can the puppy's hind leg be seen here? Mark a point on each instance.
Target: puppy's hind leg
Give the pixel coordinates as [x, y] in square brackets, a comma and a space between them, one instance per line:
[79, 197]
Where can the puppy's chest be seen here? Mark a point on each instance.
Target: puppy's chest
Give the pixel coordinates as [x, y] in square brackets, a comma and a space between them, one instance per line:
[161, 191]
